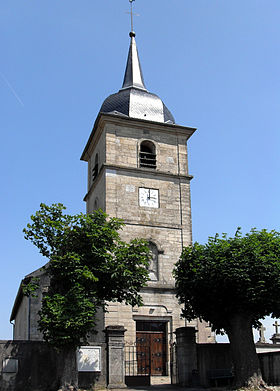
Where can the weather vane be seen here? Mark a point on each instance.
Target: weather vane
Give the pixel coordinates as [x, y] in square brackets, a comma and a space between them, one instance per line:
[132, 14]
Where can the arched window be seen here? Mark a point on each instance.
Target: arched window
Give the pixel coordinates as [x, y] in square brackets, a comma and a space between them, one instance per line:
[147, 155]
[95, 168]
[153, 267]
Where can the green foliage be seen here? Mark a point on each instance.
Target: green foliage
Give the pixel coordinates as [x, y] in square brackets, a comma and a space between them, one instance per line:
[88, 265]
[30, 286]
[226, 276]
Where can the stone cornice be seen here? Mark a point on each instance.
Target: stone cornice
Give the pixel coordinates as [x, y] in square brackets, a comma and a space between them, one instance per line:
[154, 225]
[159, 287]
[120, 120]
[143, 171]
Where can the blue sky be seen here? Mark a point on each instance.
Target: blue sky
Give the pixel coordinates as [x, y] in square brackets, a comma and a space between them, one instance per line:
[215, 63]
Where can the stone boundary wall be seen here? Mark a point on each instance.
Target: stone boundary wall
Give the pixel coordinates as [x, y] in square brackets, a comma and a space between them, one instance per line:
[211, 357]
[195, 361]
[217, 356]
[270, 367]
[34, 366]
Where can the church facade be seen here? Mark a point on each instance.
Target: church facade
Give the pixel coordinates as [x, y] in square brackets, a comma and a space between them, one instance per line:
[138, 171]
[137, 161]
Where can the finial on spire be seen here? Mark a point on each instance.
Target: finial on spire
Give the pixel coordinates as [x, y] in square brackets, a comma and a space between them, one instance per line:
[131, 17]
[133, 77]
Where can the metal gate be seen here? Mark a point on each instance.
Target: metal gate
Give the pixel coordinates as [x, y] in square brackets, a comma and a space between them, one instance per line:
[137, 365]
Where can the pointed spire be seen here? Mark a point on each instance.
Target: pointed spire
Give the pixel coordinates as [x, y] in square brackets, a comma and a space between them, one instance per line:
[133, 77]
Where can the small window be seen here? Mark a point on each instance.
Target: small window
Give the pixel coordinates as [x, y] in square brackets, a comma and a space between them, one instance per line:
[96, 202]
[147, 155]
[153, 267]
[147, 325]
[10, 365]
[95, 168]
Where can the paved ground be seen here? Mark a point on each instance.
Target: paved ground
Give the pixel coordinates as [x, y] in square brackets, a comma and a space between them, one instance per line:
[163, 383]
[159, 383]
[156, 380]
[169, 387]
[164, 388]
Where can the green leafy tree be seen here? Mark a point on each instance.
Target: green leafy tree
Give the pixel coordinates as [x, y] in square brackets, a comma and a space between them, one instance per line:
[88, 266]
[232, 283]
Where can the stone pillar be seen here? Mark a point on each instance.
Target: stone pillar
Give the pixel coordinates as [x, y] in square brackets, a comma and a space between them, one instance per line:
[186, 356]
[115, 356]
[276, 337]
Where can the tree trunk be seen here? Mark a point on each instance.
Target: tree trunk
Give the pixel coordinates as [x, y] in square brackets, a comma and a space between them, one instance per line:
[68, 373]
[245, 360]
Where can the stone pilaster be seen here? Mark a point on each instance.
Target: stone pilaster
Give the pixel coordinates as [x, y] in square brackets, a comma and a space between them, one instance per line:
[115, 356]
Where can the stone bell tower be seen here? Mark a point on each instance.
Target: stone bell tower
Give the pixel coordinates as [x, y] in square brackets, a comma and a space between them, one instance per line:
[138, 171]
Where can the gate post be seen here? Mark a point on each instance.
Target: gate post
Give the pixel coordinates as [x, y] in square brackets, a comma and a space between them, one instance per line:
[115, 356]
[186, 355]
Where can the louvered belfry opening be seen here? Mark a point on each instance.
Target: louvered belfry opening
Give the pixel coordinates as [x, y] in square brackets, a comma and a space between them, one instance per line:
[147, 156]
[95, 168]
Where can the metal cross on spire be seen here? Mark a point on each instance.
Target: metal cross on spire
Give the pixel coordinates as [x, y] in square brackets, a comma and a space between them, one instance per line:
[131, 14]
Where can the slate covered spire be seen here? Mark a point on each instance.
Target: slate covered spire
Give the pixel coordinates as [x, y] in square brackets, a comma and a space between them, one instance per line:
[133, 76]
[133, 99]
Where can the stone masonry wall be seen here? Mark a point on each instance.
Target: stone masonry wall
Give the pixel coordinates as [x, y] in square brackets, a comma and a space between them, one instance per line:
[21, 321]
[97, 148]
[97, 196]
[169, 226]
[26, 321]
[35, 366]
[123, 144]
[122, 191]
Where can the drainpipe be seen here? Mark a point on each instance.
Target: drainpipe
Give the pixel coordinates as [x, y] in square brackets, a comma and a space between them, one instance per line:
[13, 328]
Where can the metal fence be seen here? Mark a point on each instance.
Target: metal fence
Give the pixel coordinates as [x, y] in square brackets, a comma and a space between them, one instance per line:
[137, 365]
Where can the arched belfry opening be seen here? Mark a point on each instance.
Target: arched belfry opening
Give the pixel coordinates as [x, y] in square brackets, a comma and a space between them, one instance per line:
[147, 155]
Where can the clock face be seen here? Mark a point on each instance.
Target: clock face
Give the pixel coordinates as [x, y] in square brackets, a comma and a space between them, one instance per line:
[148, 197]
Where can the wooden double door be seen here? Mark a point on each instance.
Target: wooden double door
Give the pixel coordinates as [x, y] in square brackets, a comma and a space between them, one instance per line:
[151, 352]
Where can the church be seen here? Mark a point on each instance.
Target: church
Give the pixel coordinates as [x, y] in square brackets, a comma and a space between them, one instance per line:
[137, 161]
